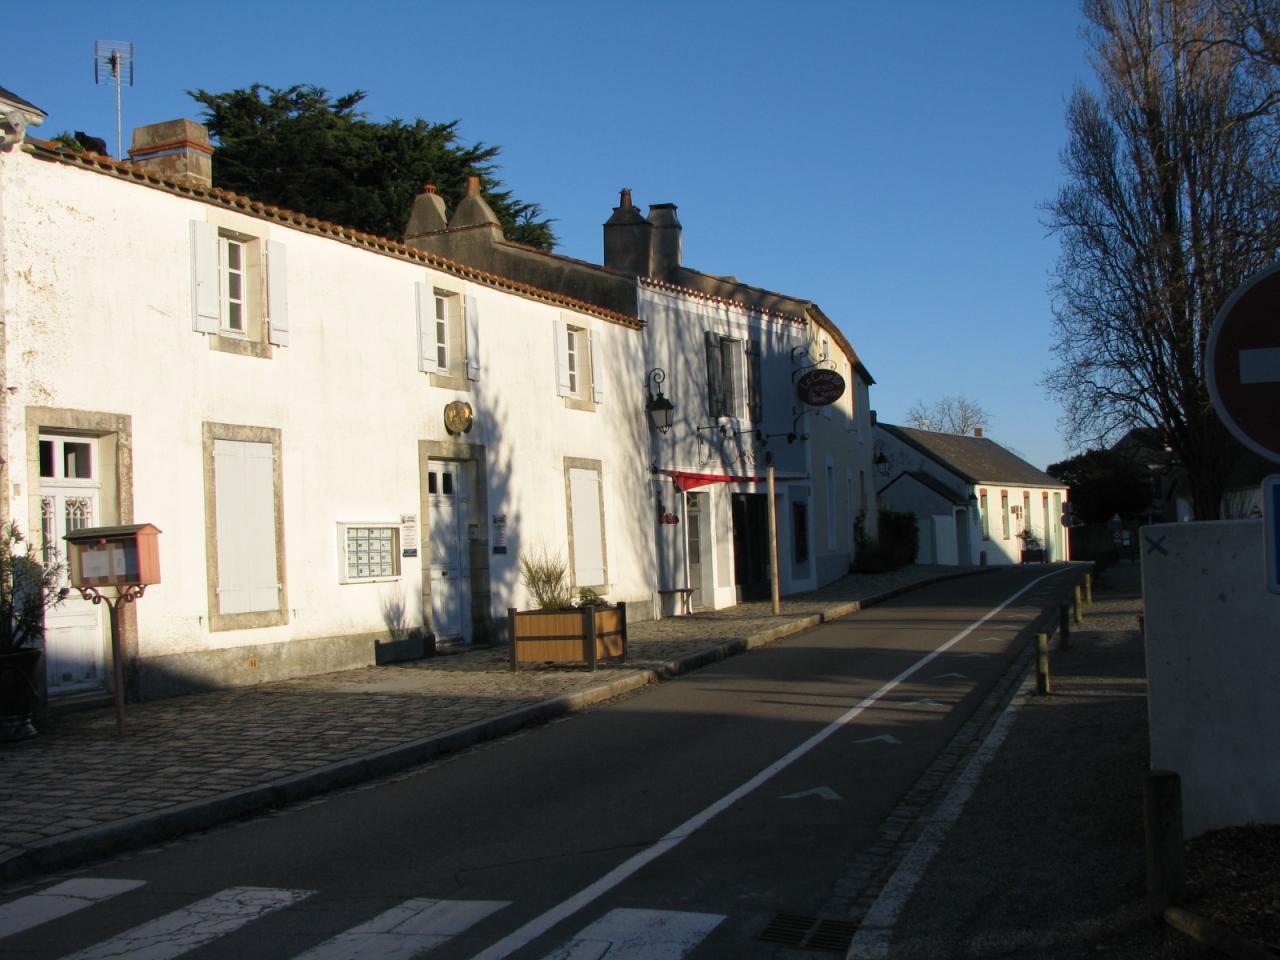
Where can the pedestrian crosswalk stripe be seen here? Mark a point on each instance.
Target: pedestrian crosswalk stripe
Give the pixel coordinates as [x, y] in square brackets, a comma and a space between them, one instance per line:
[409, 930]
[639, 935]
[193, 926]
[58, 901]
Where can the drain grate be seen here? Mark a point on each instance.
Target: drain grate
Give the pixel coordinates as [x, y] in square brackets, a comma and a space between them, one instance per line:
[811, 933]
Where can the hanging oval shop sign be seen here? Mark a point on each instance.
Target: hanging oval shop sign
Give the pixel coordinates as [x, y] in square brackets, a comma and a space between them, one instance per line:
[820, 388]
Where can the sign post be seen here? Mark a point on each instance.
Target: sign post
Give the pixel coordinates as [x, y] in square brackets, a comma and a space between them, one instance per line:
[1243, 369]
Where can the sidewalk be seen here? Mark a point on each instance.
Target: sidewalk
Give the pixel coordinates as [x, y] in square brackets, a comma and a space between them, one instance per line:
[78, 792]
[1046, 857]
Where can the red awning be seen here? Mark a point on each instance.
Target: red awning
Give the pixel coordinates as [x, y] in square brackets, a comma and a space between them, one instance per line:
[684, 480]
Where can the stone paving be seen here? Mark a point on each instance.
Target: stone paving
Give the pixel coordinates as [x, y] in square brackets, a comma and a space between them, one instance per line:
[78, 790]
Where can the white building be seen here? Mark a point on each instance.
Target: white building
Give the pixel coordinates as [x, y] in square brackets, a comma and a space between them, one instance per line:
[972, 498]
[348, 442]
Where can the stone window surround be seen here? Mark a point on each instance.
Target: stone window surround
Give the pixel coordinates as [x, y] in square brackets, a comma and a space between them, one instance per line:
[258, 618]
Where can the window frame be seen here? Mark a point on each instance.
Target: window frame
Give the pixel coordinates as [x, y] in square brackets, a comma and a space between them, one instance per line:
[344, 550]
[263, 295]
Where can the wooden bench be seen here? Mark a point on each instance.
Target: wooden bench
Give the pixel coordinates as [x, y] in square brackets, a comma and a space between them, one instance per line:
[684, 599]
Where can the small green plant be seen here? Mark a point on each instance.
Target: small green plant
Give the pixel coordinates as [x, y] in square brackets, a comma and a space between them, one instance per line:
[590, 598]
[546, 577]
[27, 589]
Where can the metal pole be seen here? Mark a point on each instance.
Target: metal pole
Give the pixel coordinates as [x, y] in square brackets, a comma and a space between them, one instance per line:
[115, 68]
[117, 663]
[1162, 809]
[774, 588]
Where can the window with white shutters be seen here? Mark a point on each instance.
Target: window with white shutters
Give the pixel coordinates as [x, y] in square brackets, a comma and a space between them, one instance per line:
[448, 337]
[239, 294]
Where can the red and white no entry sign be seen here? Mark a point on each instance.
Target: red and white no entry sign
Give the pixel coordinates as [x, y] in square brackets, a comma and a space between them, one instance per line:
[1243, 363]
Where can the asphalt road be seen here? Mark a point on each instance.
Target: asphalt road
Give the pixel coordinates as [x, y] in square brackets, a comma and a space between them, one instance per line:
[678, 821]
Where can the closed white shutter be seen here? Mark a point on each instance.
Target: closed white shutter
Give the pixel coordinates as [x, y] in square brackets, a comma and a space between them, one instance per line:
[560, 333]
[277, 295]
[204, 277]
[244, 503]
[596, 341]
[588, 528]
[471, 324]
[426, 328]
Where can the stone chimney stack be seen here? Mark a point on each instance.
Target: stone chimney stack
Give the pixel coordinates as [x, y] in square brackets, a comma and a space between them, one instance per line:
[627, 235]
[474, 211]
[175, 150]
[665, 245]
[428, 215]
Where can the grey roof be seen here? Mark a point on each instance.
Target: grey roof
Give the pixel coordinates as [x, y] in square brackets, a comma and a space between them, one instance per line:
[975, 459]
[17, 101]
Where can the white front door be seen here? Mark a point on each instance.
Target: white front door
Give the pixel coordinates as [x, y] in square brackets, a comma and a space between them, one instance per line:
[450, 578]
[70, 493]
[694, 531]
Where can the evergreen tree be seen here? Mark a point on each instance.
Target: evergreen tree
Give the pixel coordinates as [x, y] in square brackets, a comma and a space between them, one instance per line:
[302, 149]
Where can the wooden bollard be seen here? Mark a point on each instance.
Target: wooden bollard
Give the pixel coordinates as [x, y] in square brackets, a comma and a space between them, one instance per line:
[1079, 606]
[1088, 589]
[1162, 809]
[1043, 684]
[1064, 627]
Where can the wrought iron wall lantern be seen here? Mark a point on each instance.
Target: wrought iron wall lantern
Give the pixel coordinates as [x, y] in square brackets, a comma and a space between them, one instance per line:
[880, 461]
[660, 410]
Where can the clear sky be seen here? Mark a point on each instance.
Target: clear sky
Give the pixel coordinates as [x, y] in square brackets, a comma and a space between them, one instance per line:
[887, 160]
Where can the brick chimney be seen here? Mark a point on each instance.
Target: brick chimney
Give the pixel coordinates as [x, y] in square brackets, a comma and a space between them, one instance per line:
[428, 215]
[627, 235]
[977, 431]
[175, 150]
[665, 247]
[474, 211]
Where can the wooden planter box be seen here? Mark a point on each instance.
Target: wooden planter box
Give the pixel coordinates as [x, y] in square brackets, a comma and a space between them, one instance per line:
[586, 635]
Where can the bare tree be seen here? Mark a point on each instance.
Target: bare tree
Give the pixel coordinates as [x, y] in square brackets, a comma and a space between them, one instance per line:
[948, 415]
[1170, 204]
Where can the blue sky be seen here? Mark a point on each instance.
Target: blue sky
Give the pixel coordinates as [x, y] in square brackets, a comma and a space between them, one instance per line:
[886, 160]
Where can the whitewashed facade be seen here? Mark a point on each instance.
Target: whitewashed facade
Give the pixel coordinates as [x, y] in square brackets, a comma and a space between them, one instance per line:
[972, 498]
[270, 392]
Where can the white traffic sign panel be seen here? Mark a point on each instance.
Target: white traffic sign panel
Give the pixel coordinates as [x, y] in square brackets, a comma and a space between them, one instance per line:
[1243, 363]
[1271, 529]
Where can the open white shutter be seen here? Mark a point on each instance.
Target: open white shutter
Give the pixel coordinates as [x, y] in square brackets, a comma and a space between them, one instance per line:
[596, 342]
[204, 277]
[277, 295]
[471, 324]
[426, 328]
[560, 333]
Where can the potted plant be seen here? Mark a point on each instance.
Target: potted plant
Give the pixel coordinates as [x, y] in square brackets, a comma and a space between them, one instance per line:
[27, 589]
[1032, 551]
[560, 630]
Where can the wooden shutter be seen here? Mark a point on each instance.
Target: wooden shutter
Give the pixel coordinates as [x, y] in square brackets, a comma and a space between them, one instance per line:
[426, 310]
[205, 290]
[755, 386]
[715, 391]
[244, 505]
[471, 324]
[595, 343]
[588, 528]
[277, 295]
[563, 386]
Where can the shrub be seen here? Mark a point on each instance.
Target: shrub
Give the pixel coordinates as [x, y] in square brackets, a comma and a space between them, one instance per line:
[896, 547]
[546, 577]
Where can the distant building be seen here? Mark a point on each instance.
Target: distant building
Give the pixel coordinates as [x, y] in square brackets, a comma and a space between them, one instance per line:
[973, 499]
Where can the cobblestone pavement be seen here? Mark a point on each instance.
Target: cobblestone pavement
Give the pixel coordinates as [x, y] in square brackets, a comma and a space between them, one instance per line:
[78, 791]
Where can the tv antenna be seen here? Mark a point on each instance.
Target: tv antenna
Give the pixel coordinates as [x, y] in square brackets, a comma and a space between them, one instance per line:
[113, 62]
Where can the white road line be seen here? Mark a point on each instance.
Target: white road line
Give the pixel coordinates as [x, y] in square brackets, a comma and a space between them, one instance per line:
[409, 930]
[639, 935]
[58, 901]
[1260, 366]
[541, 924]
[872, 940]
[182, 930]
